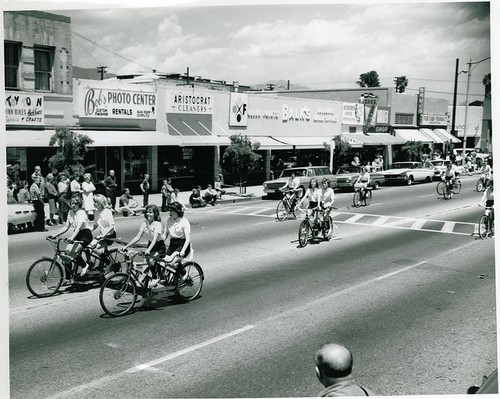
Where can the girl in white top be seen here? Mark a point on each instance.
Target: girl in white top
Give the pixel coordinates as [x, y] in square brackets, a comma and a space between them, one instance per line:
[178, 229]
[104, 224]
[313, 193]
[151, 228]
[327, 196]
[79, 221]
[88, 189]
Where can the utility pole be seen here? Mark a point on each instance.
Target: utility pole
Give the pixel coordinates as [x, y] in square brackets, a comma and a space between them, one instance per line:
[102, 71]
[454, 112]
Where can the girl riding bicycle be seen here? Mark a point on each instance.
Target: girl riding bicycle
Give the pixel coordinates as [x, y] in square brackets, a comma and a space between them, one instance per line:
[327, 197]
[313, 193]
[363, 180]
[488, 200]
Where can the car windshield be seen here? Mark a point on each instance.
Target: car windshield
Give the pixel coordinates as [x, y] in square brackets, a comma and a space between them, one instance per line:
[348, 169]
[403, 165]
[438, 163]
[288, 172]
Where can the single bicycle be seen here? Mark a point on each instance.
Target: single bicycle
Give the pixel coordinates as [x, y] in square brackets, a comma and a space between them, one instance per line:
[287, 205]
[120, 291]
[46, 275]
[481, 183]
[487, 223]
[456, 187]
[362, 195]
[308, 229]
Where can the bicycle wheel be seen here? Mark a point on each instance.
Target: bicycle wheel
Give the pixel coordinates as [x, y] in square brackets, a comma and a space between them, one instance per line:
[190, 281]
[447, 193]
[357, 199]
[304, 229]
[281, 211]
[483, 226]
[113, 262]
[480, 185]
[457, 186]
[327, 228]
[440, 188]
[368, 197]
[44, 277]
[118, 294]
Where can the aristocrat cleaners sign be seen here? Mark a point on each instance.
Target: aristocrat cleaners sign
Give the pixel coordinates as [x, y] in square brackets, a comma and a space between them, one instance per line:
[190, 102]
[115, 103]
[24, 109]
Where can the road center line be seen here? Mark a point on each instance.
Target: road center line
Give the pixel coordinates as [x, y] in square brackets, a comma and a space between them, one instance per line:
[152, 363]
[400, 270]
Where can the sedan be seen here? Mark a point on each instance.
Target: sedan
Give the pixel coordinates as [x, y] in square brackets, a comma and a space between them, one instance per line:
[347, 175]
[20, 216]
[408, 173]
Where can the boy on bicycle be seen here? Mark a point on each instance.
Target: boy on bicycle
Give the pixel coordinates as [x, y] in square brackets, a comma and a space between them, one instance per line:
[488, 201]
[292, 185]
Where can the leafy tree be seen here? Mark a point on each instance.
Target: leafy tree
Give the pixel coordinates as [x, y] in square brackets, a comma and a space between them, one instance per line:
[341, 154]
[401, 84]
[71, 150]
[240, 157]
[368, 79]
[411, 151]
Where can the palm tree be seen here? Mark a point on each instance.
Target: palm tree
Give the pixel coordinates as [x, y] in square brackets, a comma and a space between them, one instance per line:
[487, 86]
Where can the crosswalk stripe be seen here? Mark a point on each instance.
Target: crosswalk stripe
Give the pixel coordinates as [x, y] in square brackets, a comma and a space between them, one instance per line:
[418, 224]
[381, 220]
[352, 219]
[448, 227]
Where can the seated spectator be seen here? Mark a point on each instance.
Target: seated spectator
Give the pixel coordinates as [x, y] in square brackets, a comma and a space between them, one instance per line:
[128, 205]
[24, 193]
[176, 198]
[195, 199]
[218, 186]
[210, 195]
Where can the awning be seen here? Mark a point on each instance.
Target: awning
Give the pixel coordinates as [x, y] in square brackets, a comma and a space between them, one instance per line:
[447, 136]
[413, 135]
[269, 143]
[194, 133]
[102, 138]
[437, 138]
[304, 143]
[357, 140]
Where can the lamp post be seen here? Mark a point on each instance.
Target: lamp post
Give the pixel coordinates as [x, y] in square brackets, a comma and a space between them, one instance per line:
[469, 72]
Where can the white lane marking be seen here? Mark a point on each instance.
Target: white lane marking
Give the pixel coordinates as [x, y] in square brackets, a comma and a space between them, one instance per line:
[68, 393]
[354, 218]
[381, 220]
[428, 195]
[418, 224]
[400, 270]
[448, 227]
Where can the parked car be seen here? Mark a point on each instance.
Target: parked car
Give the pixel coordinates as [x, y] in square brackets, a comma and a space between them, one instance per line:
[489, 384]
[440, 166]
[20, 216]
[305, 174]
[347, 175]
[408, 172]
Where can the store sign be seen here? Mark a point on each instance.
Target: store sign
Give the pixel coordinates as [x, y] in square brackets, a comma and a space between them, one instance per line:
[113, 103]
[190, 102]
[304, 113]
[383, 116]
[24, 109]
[369, 100]
[238, 112]
[420, 103]
[353, 113]
[438, 120]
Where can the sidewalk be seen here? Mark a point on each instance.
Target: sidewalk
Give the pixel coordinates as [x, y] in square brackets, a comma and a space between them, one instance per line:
[231, 196]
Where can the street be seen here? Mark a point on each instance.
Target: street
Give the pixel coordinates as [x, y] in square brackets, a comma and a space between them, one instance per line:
[403, 283]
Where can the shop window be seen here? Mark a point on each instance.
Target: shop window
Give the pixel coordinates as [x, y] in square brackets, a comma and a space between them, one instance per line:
[44, 59]
[403, 119]
[12, 51]
[136, 163]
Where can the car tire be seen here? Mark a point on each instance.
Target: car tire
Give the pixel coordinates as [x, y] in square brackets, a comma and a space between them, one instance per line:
[376, 185]
[409, 182]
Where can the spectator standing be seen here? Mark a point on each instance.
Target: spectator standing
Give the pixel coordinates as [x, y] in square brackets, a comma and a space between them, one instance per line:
[53, 196]
[38, 173]
[11, 199]
[37, 201]
[23, 195]
[75, 186]
[355, 160]
[64, 193]
[166, 194]
[334, 370]
[88, 189]
[218, 186]
[145, 190]
[111, 185]
[210, 195]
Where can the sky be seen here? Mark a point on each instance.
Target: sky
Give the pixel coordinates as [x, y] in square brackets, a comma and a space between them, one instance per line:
[325, 45]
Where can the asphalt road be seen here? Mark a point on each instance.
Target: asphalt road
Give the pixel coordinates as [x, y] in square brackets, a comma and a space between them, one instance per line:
[403, 283]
